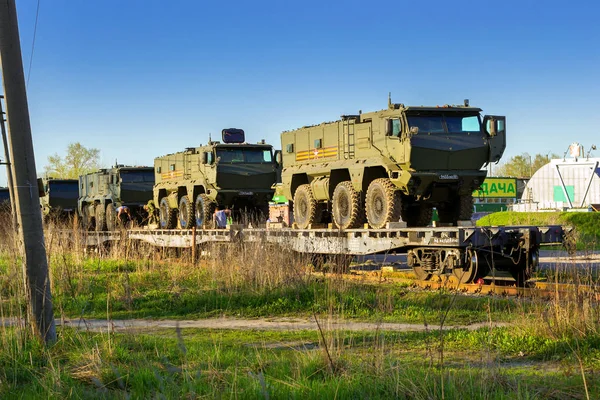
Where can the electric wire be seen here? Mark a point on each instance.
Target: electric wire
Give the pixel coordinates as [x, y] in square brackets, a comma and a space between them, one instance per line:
[37, 13]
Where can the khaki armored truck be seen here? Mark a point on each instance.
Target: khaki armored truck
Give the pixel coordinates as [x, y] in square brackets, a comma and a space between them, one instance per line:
[100, 193]
[232, 174]
[59, 197]
[393, 165]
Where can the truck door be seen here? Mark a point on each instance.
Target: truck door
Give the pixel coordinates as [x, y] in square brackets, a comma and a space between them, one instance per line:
[495, 127]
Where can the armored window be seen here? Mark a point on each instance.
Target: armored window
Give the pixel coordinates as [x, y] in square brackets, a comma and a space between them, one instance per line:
[172, 167]
[396, 127]
[209, 158]
[289, 148]
[318, 143]
[92, 184]
[158, 169]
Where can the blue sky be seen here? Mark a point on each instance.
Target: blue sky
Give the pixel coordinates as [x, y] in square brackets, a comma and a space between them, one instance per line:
[138, 79]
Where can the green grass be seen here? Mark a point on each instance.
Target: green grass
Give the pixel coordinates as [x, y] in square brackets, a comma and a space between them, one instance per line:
[167, 292]
[543, 353]
[192, 363]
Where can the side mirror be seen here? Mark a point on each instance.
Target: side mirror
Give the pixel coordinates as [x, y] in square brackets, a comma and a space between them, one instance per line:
[40, 185]
[388, 127]
[493, 130]
[414, 130]
[278, 157]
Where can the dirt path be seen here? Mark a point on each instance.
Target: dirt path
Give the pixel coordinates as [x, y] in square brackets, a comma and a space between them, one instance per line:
[271, 324]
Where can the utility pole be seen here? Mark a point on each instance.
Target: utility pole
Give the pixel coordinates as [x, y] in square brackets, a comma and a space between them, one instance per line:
[9, 179]
[27, 201]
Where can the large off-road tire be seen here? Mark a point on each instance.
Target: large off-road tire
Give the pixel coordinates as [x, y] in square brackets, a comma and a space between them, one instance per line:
[186, 213]
[111, 217]
[87, 221]
[346, 206]
[168, 215]
[100, 213]
[417, 214]
[204, 209]
[383, 203]
[305, 207]
[461, 209]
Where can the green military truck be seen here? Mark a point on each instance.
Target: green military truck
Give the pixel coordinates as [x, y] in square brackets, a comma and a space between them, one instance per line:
[101, 192]
[5, 205]
[58, 197]
[233, 174]
[391, 165]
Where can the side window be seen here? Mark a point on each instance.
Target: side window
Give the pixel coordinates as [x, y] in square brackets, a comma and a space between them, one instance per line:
[289, 147]
[172, 167]
[396, 127]
[318, 143]
[158, 169]
[501, 127]
[267, 157]
[209, 158]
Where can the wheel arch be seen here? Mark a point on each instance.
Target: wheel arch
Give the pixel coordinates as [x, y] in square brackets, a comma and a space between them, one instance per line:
[372, 173]
[297, 180]
[336, 176]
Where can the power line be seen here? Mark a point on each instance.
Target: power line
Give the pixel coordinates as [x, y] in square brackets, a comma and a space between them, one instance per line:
[37, 13]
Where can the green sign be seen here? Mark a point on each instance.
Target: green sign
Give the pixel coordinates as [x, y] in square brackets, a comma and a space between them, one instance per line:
[497, 188]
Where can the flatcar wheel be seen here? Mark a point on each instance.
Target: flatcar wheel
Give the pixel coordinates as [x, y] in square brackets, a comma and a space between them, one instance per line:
[421, 274]
[419, 271]
[467, 273]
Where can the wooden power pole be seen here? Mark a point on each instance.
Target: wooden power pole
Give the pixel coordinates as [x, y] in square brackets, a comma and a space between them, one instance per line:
[26, 194]
[9, 179]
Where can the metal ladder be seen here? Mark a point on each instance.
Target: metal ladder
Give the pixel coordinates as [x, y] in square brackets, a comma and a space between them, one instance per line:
[348, 134]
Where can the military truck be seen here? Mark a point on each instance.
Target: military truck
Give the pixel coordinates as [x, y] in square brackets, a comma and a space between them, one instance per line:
[101, 192]
[59, 197]
[232, 174]
[5, 200]
[391, 165]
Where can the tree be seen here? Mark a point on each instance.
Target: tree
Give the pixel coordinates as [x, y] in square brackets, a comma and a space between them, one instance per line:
[523, 165]
[79, 161]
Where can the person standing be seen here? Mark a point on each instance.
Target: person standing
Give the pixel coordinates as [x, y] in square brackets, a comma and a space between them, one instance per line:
[150, 208]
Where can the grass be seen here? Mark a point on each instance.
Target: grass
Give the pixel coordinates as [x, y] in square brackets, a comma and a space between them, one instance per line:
[166, 291]
[549, 350]
[214, 364]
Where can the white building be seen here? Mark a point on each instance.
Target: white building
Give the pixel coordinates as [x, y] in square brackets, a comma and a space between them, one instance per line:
[564, 184]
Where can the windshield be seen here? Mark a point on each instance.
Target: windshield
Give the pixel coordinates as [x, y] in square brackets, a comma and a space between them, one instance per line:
[445, 123]
[137, 176]
[247, 156]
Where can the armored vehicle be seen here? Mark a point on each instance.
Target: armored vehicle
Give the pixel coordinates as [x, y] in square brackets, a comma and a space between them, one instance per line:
[390, 166]
[59, 197]
[4, 199]
[233, 174]
[100, 193]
